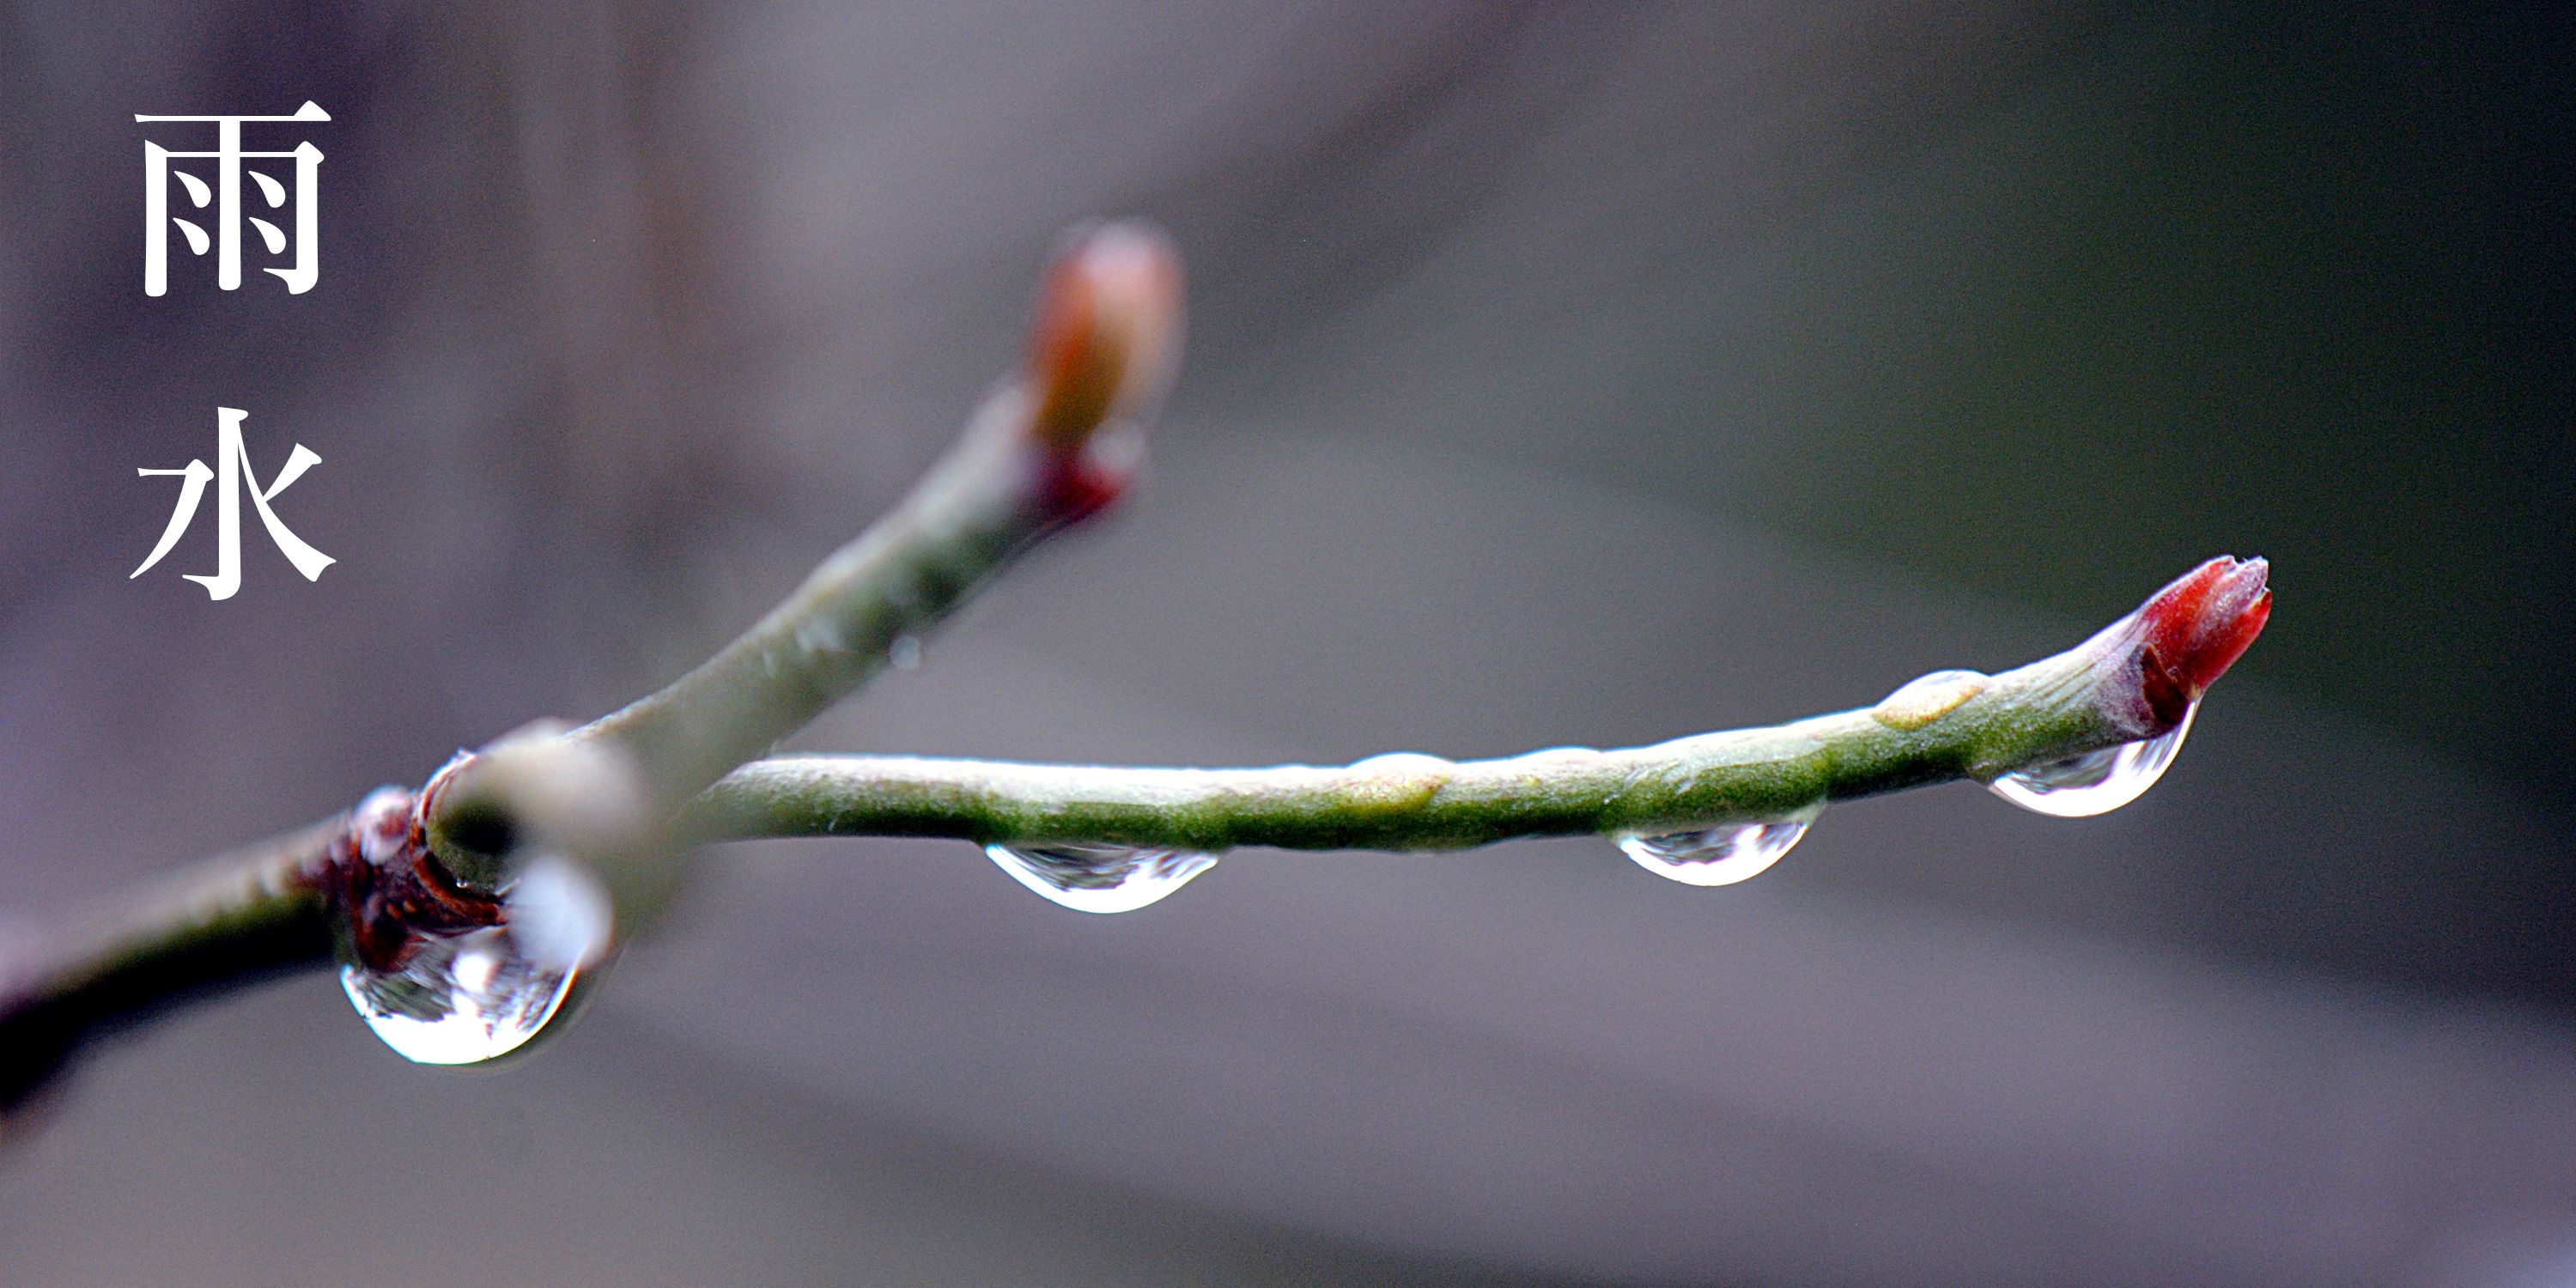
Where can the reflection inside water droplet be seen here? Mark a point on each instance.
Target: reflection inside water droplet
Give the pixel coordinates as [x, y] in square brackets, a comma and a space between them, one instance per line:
[1720, 855]
[1091, 877]
[2096, 782]
[463, 999]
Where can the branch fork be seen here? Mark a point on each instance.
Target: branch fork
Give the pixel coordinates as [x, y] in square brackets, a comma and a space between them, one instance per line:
[632, 794]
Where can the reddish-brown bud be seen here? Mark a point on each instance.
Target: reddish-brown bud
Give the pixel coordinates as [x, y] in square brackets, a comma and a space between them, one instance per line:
[389, 890]
[2195, 628]
[1107, 336]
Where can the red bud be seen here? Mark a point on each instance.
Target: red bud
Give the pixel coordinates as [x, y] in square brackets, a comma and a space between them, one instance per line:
[2195, 628]
[1107, 336]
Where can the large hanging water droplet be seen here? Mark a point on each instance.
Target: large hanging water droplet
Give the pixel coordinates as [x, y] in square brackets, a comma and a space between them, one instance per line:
[464, 999]
[1091, 877]
[1720, 855]
[2096, 782]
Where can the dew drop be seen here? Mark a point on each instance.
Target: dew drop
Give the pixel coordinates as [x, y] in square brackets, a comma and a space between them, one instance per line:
[905, 653]
[1092, 877]
[2096, 782]
[464, 999]
[1720, 855]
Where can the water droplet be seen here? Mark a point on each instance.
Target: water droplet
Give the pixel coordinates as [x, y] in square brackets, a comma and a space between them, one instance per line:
[464, 999]
[905, 652]
[1091, 877]
[1720, 855]
[2096, 782]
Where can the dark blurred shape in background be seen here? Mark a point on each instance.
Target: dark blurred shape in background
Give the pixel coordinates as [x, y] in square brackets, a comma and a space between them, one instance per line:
[1558, 374]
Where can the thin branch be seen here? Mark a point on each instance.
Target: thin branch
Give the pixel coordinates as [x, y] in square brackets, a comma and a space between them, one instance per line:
[1049, 448]
[2133, 680]
[971, 513]
[205, 930]
[1052, 446]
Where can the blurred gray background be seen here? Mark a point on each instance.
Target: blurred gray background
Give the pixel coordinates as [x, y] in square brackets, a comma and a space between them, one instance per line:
[1593, 373]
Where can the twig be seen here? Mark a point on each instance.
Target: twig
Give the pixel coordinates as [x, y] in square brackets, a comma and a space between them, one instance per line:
[206, 929]
[1049, 448]
[2134, 680]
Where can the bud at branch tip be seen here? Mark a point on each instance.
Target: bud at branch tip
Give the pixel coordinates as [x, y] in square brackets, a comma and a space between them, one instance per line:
[2191, 631]
[1107, 336]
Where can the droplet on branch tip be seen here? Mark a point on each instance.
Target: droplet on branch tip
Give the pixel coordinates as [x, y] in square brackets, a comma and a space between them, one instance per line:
[2095, 782]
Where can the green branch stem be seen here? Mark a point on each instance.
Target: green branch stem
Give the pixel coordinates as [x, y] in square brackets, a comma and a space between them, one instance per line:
[201, 931]
[910, 569]
[1411, 801]
[1055, 443]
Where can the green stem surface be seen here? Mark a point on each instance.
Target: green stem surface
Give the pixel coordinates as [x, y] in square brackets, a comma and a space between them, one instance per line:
[976, 508]
[1405, 801]
[206, 929]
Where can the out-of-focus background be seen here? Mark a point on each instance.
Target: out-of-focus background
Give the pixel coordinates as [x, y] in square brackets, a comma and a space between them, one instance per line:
[1591, 373]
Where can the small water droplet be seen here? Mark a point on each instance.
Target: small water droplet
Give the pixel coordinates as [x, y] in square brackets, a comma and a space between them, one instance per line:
[2096, 782]
[464, 999]
[1092, 877]
[1720, 855]
[905, 652]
